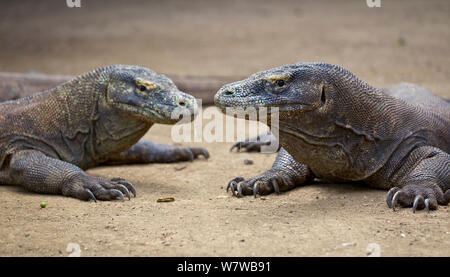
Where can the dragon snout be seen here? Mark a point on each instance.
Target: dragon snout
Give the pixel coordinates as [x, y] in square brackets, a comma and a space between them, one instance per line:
[224, 93]
[187, 102]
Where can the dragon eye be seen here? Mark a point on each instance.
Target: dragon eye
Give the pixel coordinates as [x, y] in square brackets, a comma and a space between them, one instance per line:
[142, 88]
[280, 83]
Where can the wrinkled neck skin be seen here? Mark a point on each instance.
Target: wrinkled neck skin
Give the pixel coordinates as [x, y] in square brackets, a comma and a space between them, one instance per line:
[351, 136]
[95, 128]
[117, 130]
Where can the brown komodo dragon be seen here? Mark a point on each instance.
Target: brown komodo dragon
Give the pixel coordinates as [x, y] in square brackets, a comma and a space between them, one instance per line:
[47, 139]
[335, 127]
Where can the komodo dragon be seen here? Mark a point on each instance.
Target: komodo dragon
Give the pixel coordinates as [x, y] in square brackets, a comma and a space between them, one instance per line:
[335, 127]
[97, 118]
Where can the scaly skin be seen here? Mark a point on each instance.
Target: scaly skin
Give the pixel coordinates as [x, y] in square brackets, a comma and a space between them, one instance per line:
[48, 139]
[335, 127]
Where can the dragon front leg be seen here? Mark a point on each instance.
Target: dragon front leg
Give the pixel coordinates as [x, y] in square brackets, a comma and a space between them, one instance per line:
[148, 152]
[39, 173]
[428, 183]
[284, 175]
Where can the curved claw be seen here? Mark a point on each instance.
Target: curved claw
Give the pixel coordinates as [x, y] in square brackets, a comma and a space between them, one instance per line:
[418, 199]
[91, 195]
[237, 145]
[395, 200]
[390, 194]
[205, 154]
[199, 151]
[427, 205]
[231, 186]
[127, 184]
[126, 191]
[239, 189]
[276, 187]
[130, 187]
[255, 189]
[118, 194]
[191, 156]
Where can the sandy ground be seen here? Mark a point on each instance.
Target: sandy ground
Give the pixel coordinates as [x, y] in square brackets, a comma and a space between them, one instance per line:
[401, 41]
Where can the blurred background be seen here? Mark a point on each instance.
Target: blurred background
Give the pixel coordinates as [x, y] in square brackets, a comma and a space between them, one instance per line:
[400, 41]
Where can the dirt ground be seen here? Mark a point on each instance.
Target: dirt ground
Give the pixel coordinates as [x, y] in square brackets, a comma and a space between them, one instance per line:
[401, 41]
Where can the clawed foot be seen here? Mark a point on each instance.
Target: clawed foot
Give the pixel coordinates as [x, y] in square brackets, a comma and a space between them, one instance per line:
[189, 153]
[418, 196]
[266, 183]
[199, 151]
[254, 144]
[249, 146]
[87, 187]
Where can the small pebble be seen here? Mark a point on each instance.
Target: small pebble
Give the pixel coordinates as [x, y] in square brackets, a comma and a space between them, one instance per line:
[403, 235]
[248, 161]
[221, 197]
[345, 244]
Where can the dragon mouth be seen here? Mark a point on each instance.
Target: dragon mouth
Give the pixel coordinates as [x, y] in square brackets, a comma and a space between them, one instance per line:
[171, 114]
[281, 107]
[165, 114]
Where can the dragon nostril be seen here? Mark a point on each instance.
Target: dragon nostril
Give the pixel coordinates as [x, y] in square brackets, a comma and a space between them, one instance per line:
[181, 103]
[229, 92]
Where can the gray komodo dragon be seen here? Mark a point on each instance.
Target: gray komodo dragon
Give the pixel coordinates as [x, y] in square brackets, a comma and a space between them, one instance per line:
[97, 118]
[335, 127]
